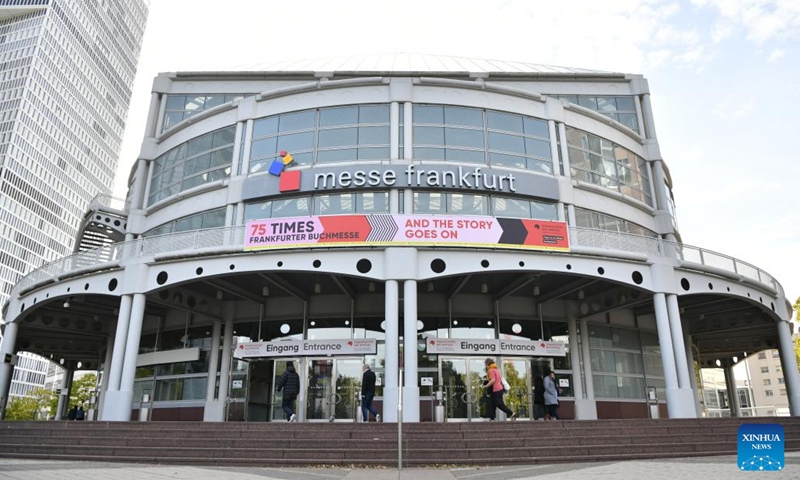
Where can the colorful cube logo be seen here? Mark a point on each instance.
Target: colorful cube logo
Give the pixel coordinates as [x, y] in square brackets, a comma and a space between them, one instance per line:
[289, 180]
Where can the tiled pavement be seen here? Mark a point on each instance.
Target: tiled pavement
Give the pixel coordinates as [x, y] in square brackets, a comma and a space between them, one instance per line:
[706, 468]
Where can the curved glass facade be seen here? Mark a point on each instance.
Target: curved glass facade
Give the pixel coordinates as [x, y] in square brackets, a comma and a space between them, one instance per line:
[204, 159]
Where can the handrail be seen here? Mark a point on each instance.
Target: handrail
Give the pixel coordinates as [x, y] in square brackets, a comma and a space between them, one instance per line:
[110, 201]
[207, 240]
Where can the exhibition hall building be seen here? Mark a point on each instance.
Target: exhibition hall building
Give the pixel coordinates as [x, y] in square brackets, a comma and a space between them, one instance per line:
[414, 213]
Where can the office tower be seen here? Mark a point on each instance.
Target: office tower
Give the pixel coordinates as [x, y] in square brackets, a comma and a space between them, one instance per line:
[66, 76]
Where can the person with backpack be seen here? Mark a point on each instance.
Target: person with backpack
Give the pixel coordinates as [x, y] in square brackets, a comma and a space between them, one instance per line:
[495, 385]
[289, 382]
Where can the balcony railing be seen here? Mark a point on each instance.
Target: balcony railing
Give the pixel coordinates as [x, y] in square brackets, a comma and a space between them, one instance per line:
[200, 241]
[108, 201]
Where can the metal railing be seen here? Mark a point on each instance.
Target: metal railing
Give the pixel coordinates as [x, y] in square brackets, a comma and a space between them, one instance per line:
[233, 237]
[108, 201]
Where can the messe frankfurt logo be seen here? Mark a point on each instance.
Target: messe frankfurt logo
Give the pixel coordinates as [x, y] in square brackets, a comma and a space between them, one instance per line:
[289, 180]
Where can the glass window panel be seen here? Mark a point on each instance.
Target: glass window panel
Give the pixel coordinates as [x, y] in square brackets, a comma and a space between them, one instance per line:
[628, 362]
[265, 126]
[226, 136]
[545, 166]
[623, 338]
[539, 148]
[193, 222]
[630, 387]
[372, 202]
[471, 156]
[506, 160]
[197, 164]
[653, 366]
[603, 361]
[570, 98]
[297, 121]
[375, 114]
[468, 117]
[625, 103]
[612, 116]
[373, 135]
[578, 158]
[544, 211]
[199, 145]
[466, 204]
[332, 156]
[606, 104]
[428, 136]
[214, 218]
[506, 143]
[218, 174]
[429, 202]
[588, 102]
[176, 102]
[291, 207]
[428, 114]
[605, 386]
[296, 142]
[334, 204]
[194, 103]
[256, 211]
[259, 165]
[214, 101]
[373, 153]
[302, 158]
[534, 126]
[629, 120]
[429, 153]
[510, 207]
[338, 137]
[504, 121]
[338, 116]
[192, 182]
[172, 118]
[221, 157]
[600, 336]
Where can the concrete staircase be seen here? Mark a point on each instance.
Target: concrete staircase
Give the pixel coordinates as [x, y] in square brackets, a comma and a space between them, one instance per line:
[296, 444]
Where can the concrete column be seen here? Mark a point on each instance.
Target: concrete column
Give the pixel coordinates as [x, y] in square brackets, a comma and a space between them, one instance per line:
[551, 126]
[7, 348]
[411, 387]
[587, 365]
[390, 375]
[120, 339]
[647, 112]
[733, 392]
[698, 409]
[152, 114]
[218, 411]
[562, 216]
[120, 399]
[101, 394]
[789, 366]
[212, 371]
[562, 131]
[63, 398]
[667, 356]
[681, 364]
[584, 408]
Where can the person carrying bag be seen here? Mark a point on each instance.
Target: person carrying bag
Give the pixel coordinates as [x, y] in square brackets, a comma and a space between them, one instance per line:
[497, 386]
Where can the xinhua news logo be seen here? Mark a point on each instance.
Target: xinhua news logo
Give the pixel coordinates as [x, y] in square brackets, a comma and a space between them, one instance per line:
[289, 180]
[760, 447]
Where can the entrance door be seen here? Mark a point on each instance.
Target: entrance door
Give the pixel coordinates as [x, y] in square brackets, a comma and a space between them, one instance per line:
[520, 398]
[333, 387]
[276, 397]
[462, 388]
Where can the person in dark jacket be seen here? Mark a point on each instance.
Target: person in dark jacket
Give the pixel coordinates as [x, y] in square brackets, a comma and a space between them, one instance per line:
[367, 394]
[289, 382]
[72, 412]
[80, 414]
[538, 397]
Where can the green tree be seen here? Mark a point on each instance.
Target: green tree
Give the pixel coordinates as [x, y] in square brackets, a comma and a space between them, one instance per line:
[35, 406]
[82, 389]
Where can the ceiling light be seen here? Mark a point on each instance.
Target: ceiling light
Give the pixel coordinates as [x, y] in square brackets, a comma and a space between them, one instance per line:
[430, 286]
[581, 294]
[220, 295]
[371, 286]
[484, 288]
[536, 291]
[317, 288]
[265, 291]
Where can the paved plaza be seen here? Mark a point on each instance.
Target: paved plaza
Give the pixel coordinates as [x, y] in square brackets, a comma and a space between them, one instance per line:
[707, 468]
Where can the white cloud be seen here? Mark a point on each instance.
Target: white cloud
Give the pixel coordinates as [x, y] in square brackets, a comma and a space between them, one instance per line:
[776, 55]
[763, 20]
[734, 107]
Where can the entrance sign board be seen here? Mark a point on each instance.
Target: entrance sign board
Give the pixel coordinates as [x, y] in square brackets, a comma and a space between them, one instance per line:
[388, 230]
[306, 348]
[525, 348]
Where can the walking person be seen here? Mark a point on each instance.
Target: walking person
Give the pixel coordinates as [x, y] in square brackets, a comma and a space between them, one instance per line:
[367, 394]
[551, 396]
[289, 382]
[80, 414]
[538, 397]
[72, 412]
[495, 385]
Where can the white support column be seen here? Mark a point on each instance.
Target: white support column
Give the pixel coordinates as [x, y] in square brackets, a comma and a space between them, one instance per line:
[63, 398]
[585, 409]
[101, 397]
[212, 371]
[562, 132]
[733, 391]
[681, 365]
[120, 339]
[587, 364]
[120, 400]
[411, 388]
[7, 348]
[667, 356]
[551, 127]
[390, 375]
[218, 412]
[789, 366]
[698, 408]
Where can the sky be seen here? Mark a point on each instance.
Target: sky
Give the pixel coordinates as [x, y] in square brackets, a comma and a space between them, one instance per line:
[724, 77]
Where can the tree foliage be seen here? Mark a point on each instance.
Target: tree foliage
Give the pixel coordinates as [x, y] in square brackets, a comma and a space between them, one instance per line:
[36, 406]
[82, 389]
